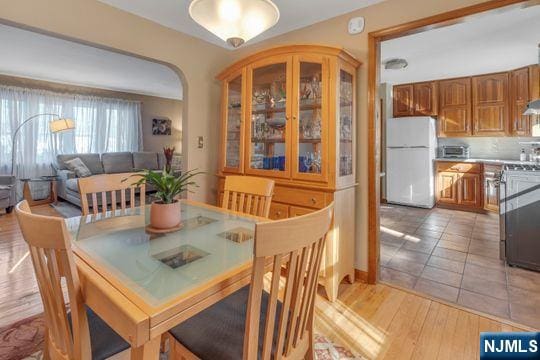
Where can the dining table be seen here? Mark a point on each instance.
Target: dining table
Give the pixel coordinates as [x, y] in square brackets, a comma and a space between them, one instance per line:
[143, 283]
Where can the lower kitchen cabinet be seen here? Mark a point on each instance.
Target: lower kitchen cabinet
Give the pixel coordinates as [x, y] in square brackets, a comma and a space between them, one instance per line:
[459, 186]
[470, 190]
[447, 187]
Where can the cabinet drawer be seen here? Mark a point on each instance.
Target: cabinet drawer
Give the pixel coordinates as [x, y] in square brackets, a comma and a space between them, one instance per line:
[301, 197]
[278, 211]
[444, 166]
[299, 211]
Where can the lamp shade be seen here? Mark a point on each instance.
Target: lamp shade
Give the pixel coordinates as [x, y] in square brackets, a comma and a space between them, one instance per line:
[235, 21]
[533, 108]
[58, 125]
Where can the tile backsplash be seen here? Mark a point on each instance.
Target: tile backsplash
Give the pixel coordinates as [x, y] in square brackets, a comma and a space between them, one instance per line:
[506, 148]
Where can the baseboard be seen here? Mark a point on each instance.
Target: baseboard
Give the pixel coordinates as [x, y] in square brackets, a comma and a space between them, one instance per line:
[360, 275]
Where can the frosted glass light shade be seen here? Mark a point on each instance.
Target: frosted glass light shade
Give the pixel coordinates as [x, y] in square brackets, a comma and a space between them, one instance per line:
[533, 108]
[235, 21]
[61, 125]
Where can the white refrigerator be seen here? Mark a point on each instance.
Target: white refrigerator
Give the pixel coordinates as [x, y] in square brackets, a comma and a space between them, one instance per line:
[411, 147]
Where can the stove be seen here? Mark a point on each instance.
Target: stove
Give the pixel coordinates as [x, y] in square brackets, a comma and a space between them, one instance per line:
[519, 167]
[519, 215]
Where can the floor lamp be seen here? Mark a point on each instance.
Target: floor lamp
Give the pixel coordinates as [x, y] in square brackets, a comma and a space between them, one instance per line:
[57, 125]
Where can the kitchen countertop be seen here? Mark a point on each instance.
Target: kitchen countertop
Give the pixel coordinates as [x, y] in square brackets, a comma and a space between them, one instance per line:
[487, 161]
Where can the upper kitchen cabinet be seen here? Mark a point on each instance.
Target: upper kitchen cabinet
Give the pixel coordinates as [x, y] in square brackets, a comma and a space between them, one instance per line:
[520, 124]
[490, 104]
[403, 100]
[418, 99]
[455, 107]
[425, 98]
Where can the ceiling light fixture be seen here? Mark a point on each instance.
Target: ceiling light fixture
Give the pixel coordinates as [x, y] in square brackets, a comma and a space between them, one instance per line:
[395, 64]
[234, 21]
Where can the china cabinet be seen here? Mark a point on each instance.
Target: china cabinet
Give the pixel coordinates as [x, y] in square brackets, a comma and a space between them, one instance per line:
[288, 113]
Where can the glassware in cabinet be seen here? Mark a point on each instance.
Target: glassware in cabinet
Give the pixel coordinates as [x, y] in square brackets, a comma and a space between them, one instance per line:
[346, 129]
[233, 124]
[268, 145]
[310, 122]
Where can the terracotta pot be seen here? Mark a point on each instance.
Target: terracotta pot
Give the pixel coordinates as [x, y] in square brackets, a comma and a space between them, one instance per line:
[165, 216]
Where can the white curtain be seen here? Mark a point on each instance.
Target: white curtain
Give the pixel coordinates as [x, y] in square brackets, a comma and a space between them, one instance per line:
[101, 125]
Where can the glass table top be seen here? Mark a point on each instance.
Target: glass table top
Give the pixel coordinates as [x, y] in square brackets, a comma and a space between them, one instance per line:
[159, 267]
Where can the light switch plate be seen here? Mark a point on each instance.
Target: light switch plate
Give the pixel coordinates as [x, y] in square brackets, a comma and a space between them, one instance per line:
[200, 142]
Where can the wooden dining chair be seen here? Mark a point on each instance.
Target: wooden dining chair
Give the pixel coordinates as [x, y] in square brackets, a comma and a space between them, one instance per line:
[112, 188]
[253, 324]
[78, 334]
[248, 195]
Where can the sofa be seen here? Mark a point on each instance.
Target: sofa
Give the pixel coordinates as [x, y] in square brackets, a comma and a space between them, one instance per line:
[106, 163]
[8, 197]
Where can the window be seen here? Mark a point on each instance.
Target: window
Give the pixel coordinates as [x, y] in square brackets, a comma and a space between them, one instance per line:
[101, 125]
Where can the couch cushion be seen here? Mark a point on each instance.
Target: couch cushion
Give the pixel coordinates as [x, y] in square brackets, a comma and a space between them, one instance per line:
[145, 161]
[117, 162]
[73, 185]
[78, 167]
[92, 162]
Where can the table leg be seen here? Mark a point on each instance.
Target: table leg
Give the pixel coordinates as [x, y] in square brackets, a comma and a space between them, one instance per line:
[149, 351]
[54, 195]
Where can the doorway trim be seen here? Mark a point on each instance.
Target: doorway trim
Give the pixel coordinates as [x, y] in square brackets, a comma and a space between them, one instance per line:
[374, 131]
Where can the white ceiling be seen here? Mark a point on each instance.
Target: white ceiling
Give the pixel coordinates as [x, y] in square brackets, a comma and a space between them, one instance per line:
[490, 43]
[36, 56]
[294, 14]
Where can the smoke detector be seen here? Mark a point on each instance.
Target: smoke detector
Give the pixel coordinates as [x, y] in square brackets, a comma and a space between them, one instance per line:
[395, 64]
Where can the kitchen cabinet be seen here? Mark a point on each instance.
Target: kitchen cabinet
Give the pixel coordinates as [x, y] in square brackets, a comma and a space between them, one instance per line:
[469, 190]
[403, 100]
[520, 125]
[490, 104]
[425, 99]
[492, 175]
[289, 114]
[447, 187]
[418, 99]
[459, 185]
[455, 107]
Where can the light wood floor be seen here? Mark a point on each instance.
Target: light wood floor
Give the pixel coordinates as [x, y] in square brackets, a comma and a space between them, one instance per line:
[376, 321]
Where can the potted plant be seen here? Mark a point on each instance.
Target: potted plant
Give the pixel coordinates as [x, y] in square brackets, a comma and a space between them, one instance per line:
[165, 209]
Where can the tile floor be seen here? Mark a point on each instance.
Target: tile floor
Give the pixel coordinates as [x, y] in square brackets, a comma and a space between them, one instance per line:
[454, 255]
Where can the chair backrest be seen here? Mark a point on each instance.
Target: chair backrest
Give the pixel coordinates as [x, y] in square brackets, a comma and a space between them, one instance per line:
[50, 250]
[109, 185]
[300, 242]
[248, 194]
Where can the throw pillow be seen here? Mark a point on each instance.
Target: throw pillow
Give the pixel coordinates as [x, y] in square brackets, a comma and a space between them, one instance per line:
[78, 167]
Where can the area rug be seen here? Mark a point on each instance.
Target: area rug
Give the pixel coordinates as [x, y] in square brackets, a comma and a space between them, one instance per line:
[66, 209]
[24, 340]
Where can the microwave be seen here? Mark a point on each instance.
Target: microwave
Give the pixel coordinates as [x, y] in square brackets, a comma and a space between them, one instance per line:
[455, 152]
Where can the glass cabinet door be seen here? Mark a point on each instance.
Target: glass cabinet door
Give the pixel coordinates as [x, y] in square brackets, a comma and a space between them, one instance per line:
[310, 118]
[346, 126]
[233, 125]
[269, 120]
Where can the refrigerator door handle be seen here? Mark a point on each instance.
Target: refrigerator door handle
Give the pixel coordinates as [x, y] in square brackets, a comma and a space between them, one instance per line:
[419, 147]
[398, 147]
